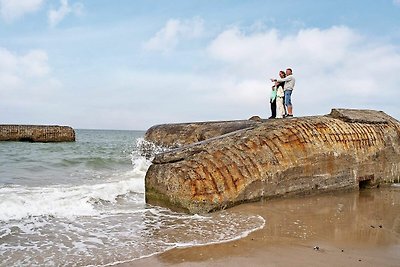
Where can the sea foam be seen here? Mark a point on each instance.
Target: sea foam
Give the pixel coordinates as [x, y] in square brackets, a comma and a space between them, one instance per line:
[17, 202]
[98, 217]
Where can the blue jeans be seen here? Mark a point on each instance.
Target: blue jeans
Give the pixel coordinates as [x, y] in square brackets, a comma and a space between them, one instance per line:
[288, 97]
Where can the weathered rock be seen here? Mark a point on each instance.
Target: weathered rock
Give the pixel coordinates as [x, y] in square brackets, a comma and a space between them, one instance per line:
[179, 134]
[37, 133]
[255, 118]
[344, 150]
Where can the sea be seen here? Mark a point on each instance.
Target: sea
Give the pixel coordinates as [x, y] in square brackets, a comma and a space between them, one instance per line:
[83, 204]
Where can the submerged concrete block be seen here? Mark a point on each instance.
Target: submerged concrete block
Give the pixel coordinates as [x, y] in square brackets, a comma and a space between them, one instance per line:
[36, 133]
[343, 150]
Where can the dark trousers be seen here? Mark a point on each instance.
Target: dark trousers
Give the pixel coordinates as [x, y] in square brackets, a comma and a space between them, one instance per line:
[273, 108]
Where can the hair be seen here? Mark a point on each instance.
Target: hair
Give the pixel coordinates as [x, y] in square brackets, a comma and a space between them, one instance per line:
[289, 69]
[284, 74]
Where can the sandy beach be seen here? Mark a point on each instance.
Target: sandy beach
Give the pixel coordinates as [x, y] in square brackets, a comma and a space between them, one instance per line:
[360, 228]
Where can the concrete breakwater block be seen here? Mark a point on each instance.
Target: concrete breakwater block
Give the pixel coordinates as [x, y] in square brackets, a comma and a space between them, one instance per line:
[346, 149]
[36, 133]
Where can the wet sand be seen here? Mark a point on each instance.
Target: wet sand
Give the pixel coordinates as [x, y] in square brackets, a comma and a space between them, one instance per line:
[359, 228]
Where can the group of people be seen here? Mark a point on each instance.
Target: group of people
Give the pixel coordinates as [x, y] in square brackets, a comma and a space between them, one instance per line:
[281, 95]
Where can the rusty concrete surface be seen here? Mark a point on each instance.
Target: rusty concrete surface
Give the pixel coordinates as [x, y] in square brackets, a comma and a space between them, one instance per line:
[275, 158]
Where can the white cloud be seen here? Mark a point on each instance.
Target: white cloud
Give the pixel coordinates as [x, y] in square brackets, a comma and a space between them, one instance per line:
[256, 51]
[35, 63]
[56, 16]
[334, 67]
[174, 32]
[8, 71]
[11, 10]
[28, 92]
[7, 60]
[24, 75]
[32, 64]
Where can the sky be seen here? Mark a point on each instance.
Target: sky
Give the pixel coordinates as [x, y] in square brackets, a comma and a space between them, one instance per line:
[131, 64]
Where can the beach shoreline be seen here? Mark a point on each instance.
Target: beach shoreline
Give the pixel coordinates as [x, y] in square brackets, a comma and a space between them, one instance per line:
[251, 251]
[339, 229]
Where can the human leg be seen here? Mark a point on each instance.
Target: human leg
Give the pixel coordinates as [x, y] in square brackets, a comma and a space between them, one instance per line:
[280, 108]
[288, 102]
[273, 109]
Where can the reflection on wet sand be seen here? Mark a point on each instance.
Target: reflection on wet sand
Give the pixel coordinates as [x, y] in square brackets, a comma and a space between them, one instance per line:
[367, 217]
[338, 229]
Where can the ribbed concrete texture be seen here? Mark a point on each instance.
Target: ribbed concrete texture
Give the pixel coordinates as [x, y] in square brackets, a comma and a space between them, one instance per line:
[344, 150]
[37, 133]
[178, 134]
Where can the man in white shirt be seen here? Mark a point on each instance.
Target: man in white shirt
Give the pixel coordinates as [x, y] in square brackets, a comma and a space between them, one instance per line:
[288, 88]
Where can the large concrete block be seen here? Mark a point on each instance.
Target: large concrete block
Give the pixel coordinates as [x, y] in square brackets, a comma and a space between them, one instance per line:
[276, 158]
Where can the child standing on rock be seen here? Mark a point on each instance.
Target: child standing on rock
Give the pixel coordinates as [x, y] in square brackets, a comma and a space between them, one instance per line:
[272, 100]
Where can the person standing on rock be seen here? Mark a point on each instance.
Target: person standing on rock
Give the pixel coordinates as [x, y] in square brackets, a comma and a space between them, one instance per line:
[288, 89]
[280, 108]
[277, 98]
[272, 101]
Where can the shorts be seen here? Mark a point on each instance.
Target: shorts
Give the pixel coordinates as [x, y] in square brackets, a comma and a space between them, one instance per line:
[288, 97]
